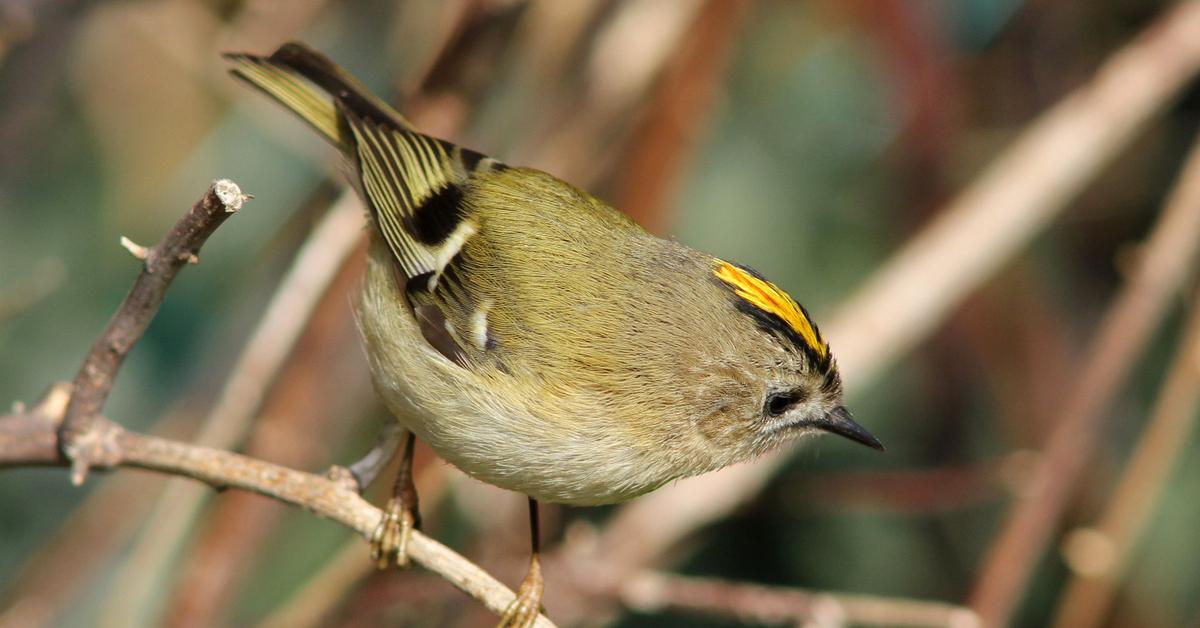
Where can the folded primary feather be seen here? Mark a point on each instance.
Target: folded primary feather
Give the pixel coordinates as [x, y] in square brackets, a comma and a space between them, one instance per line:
[414, 184]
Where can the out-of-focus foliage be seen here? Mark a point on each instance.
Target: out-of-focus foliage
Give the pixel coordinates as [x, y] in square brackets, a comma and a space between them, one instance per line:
[836, 131]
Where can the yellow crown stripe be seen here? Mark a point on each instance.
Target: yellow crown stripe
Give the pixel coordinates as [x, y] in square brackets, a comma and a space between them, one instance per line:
[767, 297]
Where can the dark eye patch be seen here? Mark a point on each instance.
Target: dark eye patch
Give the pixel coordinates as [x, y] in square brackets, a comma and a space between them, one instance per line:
[778, 403]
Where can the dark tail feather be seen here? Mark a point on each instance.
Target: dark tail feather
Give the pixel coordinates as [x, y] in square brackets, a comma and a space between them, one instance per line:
[329, 76]
[308, 84]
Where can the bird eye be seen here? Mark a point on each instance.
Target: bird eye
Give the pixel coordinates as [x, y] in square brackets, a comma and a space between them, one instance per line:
[778, 403]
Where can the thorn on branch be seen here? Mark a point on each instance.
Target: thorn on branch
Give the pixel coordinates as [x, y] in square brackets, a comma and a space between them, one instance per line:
[52, 406]
[103, 450]
[134, 248]
[345, 478]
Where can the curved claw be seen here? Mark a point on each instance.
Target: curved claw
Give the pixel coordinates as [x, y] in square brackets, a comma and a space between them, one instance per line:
[523, 611]
[390, 539]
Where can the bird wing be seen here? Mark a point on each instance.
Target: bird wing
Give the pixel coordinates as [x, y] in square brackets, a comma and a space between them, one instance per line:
[414, 185]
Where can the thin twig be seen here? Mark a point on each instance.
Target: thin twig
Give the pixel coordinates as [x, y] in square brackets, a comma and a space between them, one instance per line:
[985, 227]
[307, 280]
[1090, 593]
[652, 592]
[34, 442]
[32, 437]
[104, 542]
[1123, 334]
[333, 497]
[191, 606]
[160, 264]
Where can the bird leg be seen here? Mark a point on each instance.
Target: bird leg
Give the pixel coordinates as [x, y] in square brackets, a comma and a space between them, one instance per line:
[523, 611]
[368, 468]
[400, 516]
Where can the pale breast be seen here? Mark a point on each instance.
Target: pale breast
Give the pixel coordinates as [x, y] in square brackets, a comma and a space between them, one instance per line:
[495, 431]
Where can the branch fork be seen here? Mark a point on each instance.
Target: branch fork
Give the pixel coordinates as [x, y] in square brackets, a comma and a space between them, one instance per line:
[83, 440]
[66, 426]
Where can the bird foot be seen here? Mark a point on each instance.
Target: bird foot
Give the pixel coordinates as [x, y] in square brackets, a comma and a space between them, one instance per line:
[523, 611]
[390, 539]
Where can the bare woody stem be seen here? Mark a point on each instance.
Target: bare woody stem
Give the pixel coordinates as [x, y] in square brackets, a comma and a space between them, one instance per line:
[27, 437]
[79, 443]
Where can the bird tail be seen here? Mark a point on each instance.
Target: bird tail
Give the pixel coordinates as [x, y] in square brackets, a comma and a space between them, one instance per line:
[314, 88]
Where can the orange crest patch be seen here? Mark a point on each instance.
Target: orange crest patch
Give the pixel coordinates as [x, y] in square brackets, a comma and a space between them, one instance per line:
[769, 299]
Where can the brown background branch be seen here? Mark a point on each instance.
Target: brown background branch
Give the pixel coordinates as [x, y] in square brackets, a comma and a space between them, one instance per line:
[1168, 260]
[652, 591]
[1099, 573]
[899, 304]
[841, 124]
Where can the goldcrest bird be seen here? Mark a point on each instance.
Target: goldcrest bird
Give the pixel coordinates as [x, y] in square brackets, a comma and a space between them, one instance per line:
[537, 338]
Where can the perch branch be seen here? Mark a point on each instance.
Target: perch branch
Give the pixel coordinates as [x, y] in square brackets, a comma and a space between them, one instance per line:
[82, 443]
[331, 242]
[66, 429]
[29, 437]
[108, 516]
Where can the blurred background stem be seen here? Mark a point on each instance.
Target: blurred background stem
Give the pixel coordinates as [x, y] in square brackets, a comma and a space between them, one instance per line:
[958, 191]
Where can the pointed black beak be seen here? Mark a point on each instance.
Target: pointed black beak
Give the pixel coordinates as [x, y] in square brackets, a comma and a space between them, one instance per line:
[840, 422]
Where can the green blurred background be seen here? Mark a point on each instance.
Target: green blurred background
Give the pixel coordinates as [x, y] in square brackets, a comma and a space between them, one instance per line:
[823, 135]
